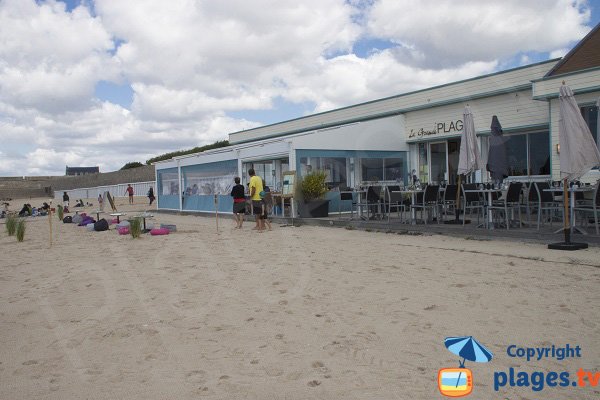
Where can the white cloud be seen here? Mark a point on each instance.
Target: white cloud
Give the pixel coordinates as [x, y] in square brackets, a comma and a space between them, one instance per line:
[449, 33]
[190, 63]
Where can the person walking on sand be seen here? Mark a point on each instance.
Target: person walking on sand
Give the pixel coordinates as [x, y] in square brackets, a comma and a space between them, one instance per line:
[129, 191]
[100, 202]
[256, 187]
[151, 195]
[239, 202]
[65, 199]
[265, 209]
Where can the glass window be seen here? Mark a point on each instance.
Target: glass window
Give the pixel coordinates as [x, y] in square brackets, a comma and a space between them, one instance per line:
[168, 183]
[372, 169]
[516, 152]
[590, 115]
[394, 169]
[528, 154]
[334, 168]
[423, 163]
[208, 179]
[539, 153]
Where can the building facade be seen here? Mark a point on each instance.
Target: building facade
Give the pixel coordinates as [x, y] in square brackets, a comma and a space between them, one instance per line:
[386, 139]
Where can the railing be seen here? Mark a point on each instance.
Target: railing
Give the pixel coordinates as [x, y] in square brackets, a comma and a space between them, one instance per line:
[139, 189]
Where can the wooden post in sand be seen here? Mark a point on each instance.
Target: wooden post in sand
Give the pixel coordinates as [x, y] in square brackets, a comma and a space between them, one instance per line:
[50, 222]
[217, 211]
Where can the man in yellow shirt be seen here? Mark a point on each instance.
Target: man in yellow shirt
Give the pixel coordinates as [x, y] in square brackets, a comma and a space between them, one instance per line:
[256, 187]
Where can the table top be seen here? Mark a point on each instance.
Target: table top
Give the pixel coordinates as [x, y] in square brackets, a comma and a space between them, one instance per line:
[572, 189]
[483, 190]
[117, 214]
[408, 191]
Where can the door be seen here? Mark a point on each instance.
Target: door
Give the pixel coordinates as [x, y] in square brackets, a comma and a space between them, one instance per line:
[438, 162]
[453, 155]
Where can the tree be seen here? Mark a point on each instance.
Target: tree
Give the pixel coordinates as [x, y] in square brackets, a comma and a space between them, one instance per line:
[168, 156]
[130, 165]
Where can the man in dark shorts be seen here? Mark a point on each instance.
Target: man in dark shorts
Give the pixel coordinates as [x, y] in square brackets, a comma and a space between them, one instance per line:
[239, 202]
[256, 187]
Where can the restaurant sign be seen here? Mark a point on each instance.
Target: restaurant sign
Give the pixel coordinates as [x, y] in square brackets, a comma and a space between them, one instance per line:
[438, 128]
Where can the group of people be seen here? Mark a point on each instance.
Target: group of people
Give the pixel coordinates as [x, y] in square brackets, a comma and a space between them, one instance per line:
[260, 197]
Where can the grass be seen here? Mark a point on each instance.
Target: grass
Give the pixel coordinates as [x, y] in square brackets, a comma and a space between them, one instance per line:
[20, 230]
[11, 224]
[135, 227]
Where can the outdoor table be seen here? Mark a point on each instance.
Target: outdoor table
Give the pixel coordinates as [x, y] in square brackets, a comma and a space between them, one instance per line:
[490, 220]
[413, 199]
[572, 190]
[143, 217]
[117, 215]
[97, 212]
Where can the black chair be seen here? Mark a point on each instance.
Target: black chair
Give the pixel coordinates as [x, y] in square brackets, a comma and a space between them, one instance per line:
[511, 201]
[448, 202]
[347, 196]
[395, 200]
[429, 201]
[373, 202]
[593, 208]
[472, 201]
[546, 202]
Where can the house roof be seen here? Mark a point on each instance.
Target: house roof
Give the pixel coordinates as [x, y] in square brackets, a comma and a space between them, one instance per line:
[586, 54]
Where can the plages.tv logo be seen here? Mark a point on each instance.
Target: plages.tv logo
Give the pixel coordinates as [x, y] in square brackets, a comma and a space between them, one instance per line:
[458, 382]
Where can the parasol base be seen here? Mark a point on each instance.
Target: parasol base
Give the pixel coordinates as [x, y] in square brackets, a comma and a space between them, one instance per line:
[569, 246]
[457, 222]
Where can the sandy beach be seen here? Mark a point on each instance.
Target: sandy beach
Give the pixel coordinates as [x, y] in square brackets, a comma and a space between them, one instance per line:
[294, 313]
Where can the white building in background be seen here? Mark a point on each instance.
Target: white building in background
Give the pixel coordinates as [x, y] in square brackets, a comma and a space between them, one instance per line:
[386, 139]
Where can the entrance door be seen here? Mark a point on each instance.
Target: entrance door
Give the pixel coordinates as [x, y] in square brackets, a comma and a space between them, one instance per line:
[437, 152]
[453, 155]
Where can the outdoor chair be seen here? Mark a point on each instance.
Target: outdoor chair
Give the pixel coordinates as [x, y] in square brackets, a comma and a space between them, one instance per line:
[593, 208]
[545, 202]
[448, 202]
[347, 196]
[471, 201]
[511, 201]
[373, 202]
[429, 202]
[395, 201]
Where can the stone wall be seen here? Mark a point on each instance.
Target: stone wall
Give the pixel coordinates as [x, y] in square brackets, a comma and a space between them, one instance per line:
[44, 186]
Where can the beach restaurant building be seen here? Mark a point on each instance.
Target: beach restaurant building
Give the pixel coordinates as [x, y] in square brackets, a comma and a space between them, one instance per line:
[385, 140]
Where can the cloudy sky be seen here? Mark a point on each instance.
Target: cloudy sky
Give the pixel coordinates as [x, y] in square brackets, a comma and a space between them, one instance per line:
[106, 82]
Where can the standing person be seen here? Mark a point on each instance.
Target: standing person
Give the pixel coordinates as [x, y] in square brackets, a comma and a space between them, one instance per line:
[266, 206]
[129, 191]
[100, 202]
[65, 199]
[256, 187]
[239, 202]
[151, 195]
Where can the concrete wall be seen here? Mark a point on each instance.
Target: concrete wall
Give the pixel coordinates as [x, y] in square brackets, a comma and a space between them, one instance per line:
[42, 186]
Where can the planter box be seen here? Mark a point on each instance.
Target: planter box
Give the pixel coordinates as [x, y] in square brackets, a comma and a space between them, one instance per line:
[314, 209]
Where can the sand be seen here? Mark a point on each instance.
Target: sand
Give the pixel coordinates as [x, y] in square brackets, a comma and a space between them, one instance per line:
[295, 313]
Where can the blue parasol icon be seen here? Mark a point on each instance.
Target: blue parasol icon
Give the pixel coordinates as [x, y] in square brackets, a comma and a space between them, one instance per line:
[469, 349]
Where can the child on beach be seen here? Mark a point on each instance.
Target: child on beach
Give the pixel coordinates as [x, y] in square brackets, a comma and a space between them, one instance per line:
[266, 201]
[239, 202]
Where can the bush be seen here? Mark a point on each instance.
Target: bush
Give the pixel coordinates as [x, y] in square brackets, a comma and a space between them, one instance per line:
[60, 212]
[11, 224]
[313, 186]
[135, 227]
[20, 230]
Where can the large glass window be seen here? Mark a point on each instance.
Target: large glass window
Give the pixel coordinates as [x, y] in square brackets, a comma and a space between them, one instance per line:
[209, 179]
[590, 115]
[383, 169]
[423, 172]
[334, 168]
[528, 154]
[372, 169]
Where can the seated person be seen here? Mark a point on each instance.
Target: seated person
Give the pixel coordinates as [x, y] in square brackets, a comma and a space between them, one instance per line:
[25, 211]
[79, 203]
[45, 206]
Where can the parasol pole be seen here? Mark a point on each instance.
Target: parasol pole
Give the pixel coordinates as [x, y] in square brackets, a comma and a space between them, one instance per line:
[462, 365]
[50, 221]
[567, 227]
[457, 206]
[217, 212]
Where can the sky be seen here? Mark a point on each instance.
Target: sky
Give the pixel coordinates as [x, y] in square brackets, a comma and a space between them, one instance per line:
[107, 82]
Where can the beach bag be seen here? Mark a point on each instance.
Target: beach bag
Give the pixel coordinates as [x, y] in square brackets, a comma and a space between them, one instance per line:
[90, 227]
[101, 225]
[86, 221]
[76, 219]
[68, 219]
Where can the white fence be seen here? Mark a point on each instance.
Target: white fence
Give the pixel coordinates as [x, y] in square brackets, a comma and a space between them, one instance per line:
[139, 189]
